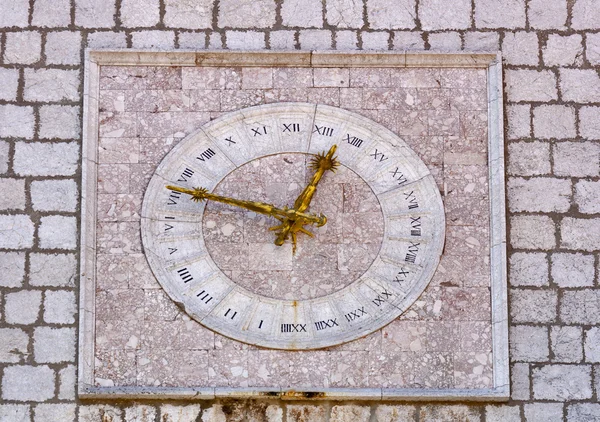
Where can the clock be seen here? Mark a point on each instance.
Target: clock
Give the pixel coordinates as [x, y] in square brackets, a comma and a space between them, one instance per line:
[368, 244]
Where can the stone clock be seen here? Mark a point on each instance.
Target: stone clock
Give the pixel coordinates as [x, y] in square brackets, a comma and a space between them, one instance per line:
[374, 245]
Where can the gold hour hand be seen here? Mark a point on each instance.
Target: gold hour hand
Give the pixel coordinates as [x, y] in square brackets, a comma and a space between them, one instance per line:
[282, 214]
[320, 163]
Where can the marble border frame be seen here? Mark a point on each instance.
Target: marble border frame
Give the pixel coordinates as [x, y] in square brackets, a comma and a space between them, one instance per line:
[492, 62]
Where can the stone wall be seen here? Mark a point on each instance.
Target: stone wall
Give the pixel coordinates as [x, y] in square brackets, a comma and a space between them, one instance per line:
[551, 50]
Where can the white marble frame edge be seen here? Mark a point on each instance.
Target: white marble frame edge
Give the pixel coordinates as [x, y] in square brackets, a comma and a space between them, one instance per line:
[491, 61]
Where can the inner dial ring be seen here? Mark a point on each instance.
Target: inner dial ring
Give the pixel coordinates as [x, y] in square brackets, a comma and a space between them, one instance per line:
[411, 245]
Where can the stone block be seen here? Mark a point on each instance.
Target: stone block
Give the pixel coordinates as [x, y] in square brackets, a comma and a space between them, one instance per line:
[4, 150]
[12, 269]
[51, 85]
[566, 344]
[170, 413]
[13, 345]
[572, 269]
[521, 48]
[591, 346]
[520, 381]
[245, 40]
[10, 82]
[580, 85]
[13, 194]
[562, 382]
[529, 158]
[554, 121]
[589, 123]
[51, 13]
[60, 122]
[315, 39]
[274, 413]
[531, 85]
[57, 270]
[547, 14]
[58, 232]
[387, 413]
[528, 344]
[95, 13]
[140, 414]
[54, 195]
[14, 13]
[136, 13]
[563, 50]
[28, 383]
[106, 40]
[408, 40]
[305, 413]
[481, 41]
[192, 40]
[15, 413]
[282, 40]
[543, 412]
[324, 78]
[581, 234]
[16, 121]
[519, 125]
[63, 412]
[60, 307]
[54, 345]
[16, 231]
[100, 413]
[347, 413]
[348, 40]
[583, 412]
[66, 383]
[449, 413]
[46, 159]
[586, 14]
[214, 414]
[502, 413]
[586, 196]
[576, 159]
[246, 13]
[161, 40]
[22, 307]
[302, 13]
[374, 41]
[445, 41]
[532, 232]
[533, 306]
[592, 51]
[190, 14]
[571, 311]
[539, 194]
[382, 16]
[215, 40]
[499, 13]
[344, 13]
[435, 14]
[63, 48]
[528, 269]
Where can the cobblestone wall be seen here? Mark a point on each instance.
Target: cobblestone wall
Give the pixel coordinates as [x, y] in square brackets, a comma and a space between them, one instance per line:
[551, 50]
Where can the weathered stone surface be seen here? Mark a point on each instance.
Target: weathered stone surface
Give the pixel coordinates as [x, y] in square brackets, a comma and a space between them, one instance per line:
[529, 158]
[572, 311]
[521, 48]
[499, 14]
[563, 50]
[94, 13]
[66, 383]
[59, 307]
[449, 413]
[543, 412]
[386, 413]
[140, 414]
[573, 269]
[445, 41]
[315, 38]
[16, 231]
[51, 85]
[305, 413]
[576, 159]
[583, 412]
[562, 382]
[245, 40]
[580, 85]
[12, 269]
[533, 306]
[15, 413]
[282, 40]
[28, 383]
[520, 381]
[303, 13]
[192, 14]
[63, 412]
[586, 196]
[592, 51]
[13, 196]
[435, 15]
[343, 413]
[107, 39]
[56, 270]
[531, 85]
[59, 159]
[547, 14]
[373, 40]
[532, 232]
[22, 307]
[528, 344]
[16, 121]
[58, 232]
[566, 344]
[580, 233]
[554, 121]
[163, 40]
[589, 118]
[408, 40]
[481, 41]
[23, 47]
[502, 413]
[13, 345]
[51, 13]
[10, 80]
[63, 48]
[190, 413]
[246, 13]
[528, 269]
[135, 13]
[381, 16]
[100, 413]
[585, 14]
[539, 194]
[14, 13]
[54, 195]
[60, 122]
[344, 13]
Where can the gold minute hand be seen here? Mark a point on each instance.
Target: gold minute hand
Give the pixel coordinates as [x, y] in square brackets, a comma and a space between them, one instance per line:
[200, 194]
[321, 163]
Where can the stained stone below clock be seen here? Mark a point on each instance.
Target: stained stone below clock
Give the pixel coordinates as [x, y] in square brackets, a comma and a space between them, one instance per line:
[241, 244]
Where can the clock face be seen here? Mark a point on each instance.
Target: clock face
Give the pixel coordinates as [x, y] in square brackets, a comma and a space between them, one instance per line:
[374, 257]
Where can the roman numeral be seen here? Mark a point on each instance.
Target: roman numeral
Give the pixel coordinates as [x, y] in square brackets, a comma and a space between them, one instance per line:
[412, 200]
[292, 127]
[351, 316]
[172, 251]
[378, 155]
[231, 141]
[399, 176]
[174, 197]
[185, 275]
[168, 227]
[354, 141]
[207, 155]
[204, 296]
[260, 325]
[293, 328]
[401, 276]
[330, 323]
[415, 224]
[323, 130]
[260, 131]
[232, 315]
[187, 173]
[381, 298]
[411, 255]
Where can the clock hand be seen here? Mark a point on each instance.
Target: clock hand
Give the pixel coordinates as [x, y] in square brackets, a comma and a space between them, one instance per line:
[320, 163]
[200, 194]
